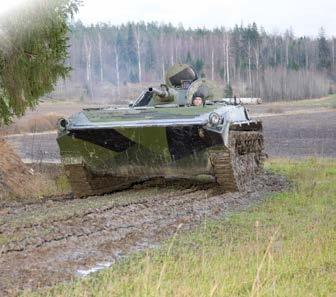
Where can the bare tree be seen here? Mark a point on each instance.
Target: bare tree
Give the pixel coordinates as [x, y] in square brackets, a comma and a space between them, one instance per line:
[117, 69]
[249, 63]
[88, 51]
[138, 41]
[100, 57]
[227, 59]
[333, 40]
[212, 65]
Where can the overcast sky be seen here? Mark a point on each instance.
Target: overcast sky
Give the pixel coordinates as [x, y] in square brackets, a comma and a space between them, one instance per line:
[305, 17]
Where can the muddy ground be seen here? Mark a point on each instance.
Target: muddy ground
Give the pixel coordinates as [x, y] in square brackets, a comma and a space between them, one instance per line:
[57, 240]
[60, 238]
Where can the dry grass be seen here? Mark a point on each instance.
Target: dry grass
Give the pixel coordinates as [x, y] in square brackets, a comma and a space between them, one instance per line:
[39, 123]
[32, 124]
[15, 178]
[20, 182]
[48, 180]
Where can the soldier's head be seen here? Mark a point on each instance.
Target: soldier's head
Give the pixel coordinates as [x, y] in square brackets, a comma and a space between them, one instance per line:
[197, 101]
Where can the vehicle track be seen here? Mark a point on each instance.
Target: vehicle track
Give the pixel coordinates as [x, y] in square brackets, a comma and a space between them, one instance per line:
[93, 221]
[45, 246]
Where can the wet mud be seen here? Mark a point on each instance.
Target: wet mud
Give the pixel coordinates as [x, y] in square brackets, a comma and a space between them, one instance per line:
[60, 238]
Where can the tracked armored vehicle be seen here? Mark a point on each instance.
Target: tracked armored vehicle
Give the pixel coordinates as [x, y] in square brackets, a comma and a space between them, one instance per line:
[184, 128]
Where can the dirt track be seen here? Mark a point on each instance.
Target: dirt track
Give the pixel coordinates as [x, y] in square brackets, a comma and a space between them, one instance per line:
[53, 241]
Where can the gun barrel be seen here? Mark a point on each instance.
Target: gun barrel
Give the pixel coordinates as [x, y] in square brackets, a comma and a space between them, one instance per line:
[160, 93]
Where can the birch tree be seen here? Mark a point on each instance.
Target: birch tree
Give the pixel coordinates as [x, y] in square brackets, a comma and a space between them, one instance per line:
[88, 52]
[100, 57]
[117, 68]
[138, 42]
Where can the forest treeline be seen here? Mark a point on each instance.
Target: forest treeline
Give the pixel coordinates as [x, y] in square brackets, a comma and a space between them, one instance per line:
[109, 60]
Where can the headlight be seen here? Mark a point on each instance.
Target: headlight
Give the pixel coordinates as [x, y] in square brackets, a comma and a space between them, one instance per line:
[214, 119]
[62, 124]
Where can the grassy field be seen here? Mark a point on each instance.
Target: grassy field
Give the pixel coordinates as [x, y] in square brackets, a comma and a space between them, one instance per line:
[285, 246]
[328, 102]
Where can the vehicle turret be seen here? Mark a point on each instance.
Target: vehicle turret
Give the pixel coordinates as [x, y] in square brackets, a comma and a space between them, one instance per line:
[181, 87]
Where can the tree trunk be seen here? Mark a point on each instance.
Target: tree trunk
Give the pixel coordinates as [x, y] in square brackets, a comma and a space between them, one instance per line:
[139, 54]
[227, 59]
[249, 65]
[307, 57]
[88, 51]
[224, 59]
[333, 52]
[172, 52]
[163, 71]
[287, 53]
[256, 51]
[275, 52]
[100, 57]
[162, 47]
[117, 70]
[212, 65]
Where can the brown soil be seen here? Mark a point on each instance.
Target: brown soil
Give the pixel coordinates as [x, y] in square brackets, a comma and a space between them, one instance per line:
[301, 135]
[51, 241]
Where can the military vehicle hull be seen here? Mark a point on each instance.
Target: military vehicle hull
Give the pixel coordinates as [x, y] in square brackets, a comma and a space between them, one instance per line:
[108, 149]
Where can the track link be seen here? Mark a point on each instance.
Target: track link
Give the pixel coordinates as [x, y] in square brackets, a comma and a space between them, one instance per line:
[234, 167]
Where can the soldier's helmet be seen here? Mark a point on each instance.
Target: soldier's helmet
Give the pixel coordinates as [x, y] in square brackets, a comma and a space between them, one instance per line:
[180, 76]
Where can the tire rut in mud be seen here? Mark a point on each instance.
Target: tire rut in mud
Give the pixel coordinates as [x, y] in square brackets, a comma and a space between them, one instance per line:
[91, 222]
[44, 252]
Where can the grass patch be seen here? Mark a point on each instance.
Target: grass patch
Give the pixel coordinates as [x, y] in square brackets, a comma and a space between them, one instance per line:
[329, 101]
[282, 247]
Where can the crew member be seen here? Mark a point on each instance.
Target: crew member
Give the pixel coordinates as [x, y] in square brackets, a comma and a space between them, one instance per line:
[197, 101]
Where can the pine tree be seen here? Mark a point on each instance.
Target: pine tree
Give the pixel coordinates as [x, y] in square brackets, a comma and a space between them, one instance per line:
[33, 52]
[189, 59]
[324, 53]
[228, 93]
[150, 58]
[198, 64]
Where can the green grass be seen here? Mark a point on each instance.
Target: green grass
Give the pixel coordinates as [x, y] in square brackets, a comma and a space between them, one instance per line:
[285, 246]
[328, 101]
